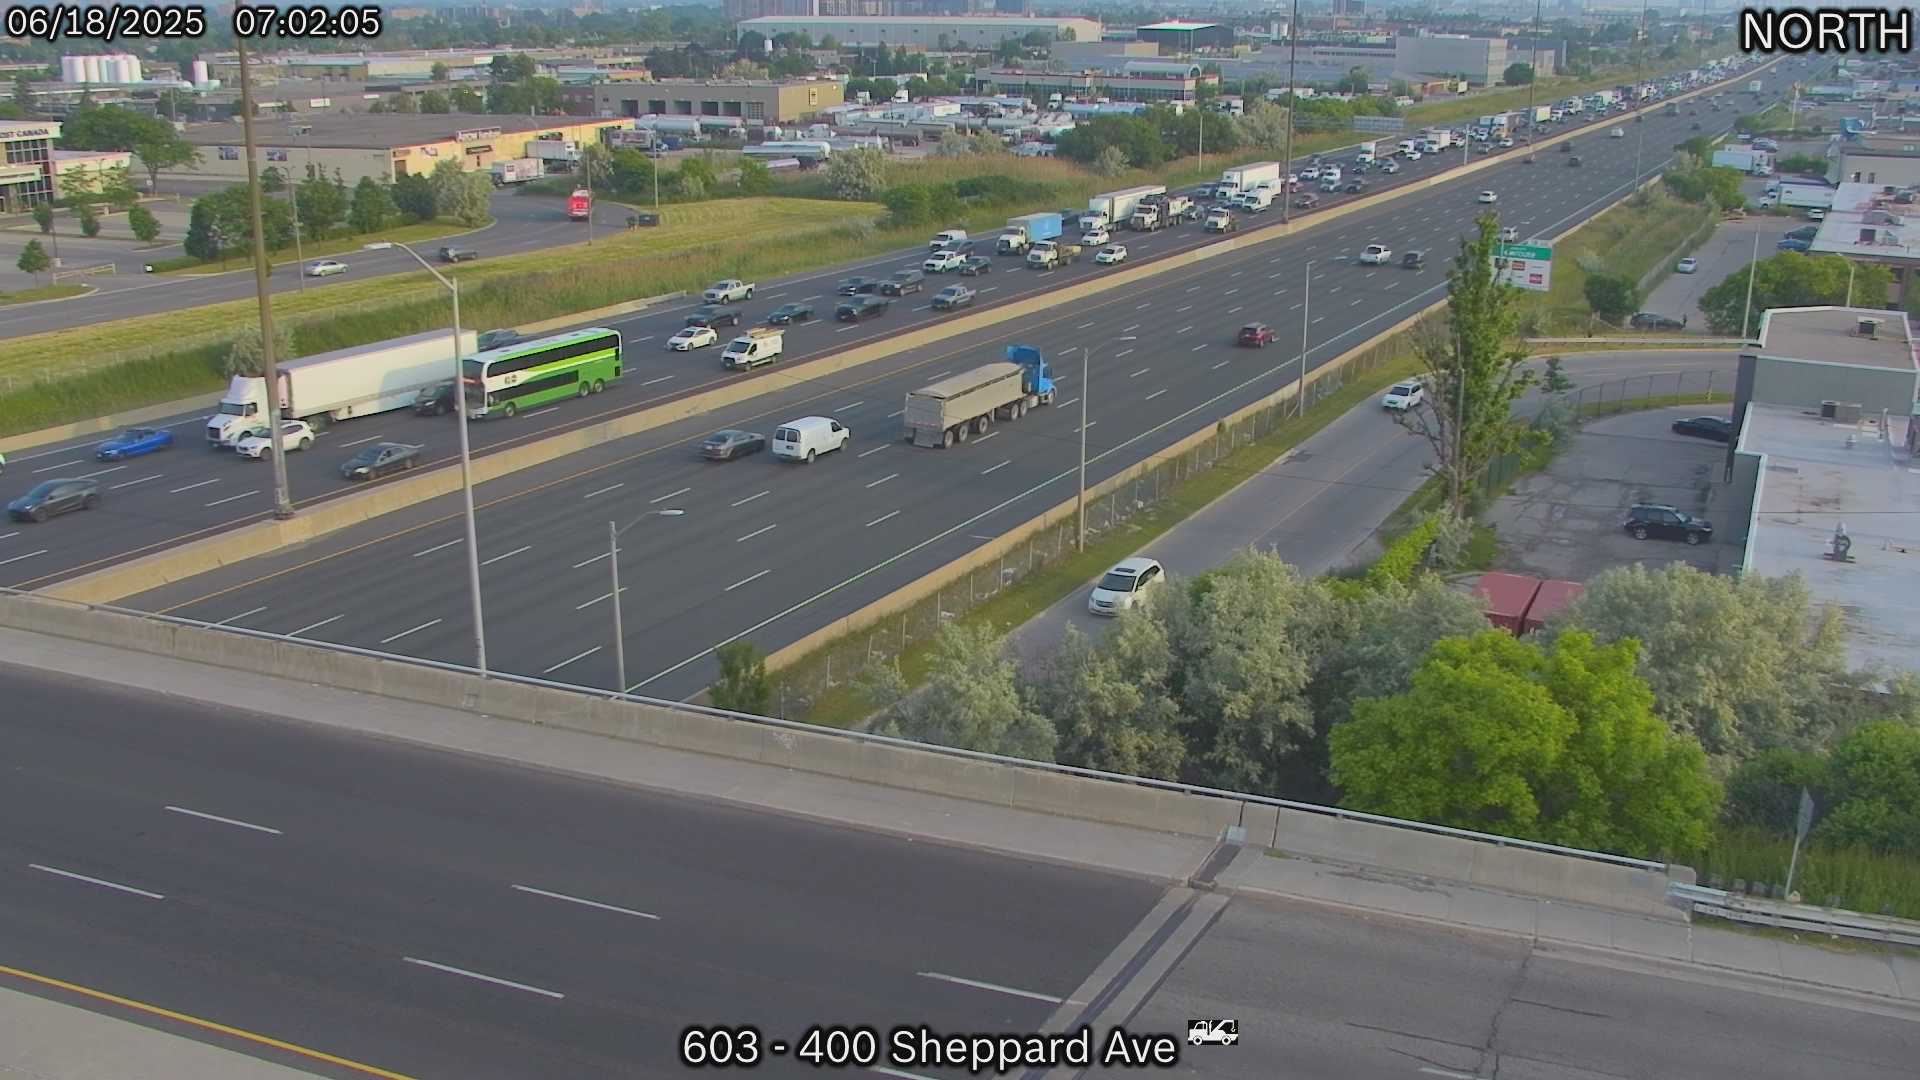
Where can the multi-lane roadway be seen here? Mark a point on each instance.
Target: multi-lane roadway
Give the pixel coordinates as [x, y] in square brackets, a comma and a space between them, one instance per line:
[769, 552]
[189, 493]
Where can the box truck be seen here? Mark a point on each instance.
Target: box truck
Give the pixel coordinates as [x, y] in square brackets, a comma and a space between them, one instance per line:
[564, 151]
[518, 171]
[1745, 159]
[953, 408]
[1247, 177]
[1027, 230]
[1116, 206]
[358, 381]
[1366, 154]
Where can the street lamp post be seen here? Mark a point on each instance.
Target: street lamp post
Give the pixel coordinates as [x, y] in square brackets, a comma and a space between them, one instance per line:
[1080, 499]
[614, 533]
[1306, 319]
[466, 455]
[1286, 166]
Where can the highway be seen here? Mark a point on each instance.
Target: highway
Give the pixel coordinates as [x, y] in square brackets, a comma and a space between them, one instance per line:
[157, 501]
[768, 551]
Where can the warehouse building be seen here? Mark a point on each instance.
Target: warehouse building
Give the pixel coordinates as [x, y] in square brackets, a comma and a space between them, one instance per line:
[27, 176]
[384, 147]
[749, 100]
[1186, 37]
[958, 31]
[1137, 80]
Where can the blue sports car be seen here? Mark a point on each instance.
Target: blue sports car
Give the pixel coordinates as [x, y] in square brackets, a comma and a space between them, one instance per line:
[134, 442]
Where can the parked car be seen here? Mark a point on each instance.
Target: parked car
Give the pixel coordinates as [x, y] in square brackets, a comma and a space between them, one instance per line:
[861, 307]
[903, 282]
[498, 339]
[51, 498]
[294, 435]
[1255, 335]
[1715, 428]
[134, 442]
[976, 265]
[855, 286]
[714, 315]
[952, 298]
[1127, 584]
[1687, 265]
[732, 443]
[790, 313]
[1667, 523]
[1402, 396]
[326, 268]
[458, 255]
[693, 337]
[1111, 255]
[435, 400]
[1793, 243]
[379, 459]
[1648, 320]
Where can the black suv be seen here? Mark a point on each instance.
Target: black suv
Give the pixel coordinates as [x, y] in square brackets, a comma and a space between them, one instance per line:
[714, 315]
[854, 286]
[903, 282]
[1647, 320]
[435, 400]
[861, 307]
[1667, 523]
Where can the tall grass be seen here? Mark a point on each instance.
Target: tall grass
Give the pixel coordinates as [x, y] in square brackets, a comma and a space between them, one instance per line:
[1860, 879]
[1631, 240]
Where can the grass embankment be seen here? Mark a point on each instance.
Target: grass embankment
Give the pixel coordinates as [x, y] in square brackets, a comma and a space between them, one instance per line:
[155, 358]
[1863, 880]
[421, 232]
[1014, 605]
[44, 292]
[1630, 240]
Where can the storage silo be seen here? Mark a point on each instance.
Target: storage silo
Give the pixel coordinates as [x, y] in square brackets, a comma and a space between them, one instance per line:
[70, 69]
[90, 69]
[134, 72]
[110, 68]
[199, 73]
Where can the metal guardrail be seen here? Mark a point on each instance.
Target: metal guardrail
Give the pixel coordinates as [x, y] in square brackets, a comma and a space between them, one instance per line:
[1756, 911]
[96, 270]
[969, 755]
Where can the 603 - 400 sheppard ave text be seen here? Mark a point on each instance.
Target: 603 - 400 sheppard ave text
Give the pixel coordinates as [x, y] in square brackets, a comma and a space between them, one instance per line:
[830, 1046]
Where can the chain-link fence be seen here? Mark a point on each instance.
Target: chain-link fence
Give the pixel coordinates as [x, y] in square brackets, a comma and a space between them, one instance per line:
[802, 684]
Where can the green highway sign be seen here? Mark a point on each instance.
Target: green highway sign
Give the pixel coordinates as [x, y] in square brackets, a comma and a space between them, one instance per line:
[1524, 266]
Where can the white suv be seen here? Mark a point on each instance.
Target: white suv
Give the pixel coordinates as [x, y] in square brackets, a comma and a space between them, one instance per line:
[1376, 255]
[1405, 395]
[294, 435]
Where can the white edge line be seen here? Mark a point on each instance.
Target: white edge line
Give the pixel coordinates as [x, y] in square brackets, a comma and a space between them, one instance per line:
[225, 820]
[555, 994]
[564, 663]
[316, 626]
[587, 903]
[96, 881]
[995, 987]
[884, 517]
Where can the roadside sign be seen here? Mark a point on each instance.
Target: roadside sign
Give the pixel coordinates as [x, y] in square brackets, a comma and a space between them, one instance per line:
[1524, 266]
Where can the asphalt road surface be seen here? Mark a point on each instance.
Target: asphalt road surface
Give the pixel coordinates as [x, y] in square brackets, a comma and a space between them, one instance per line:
[157, 501]
[350, 894]
[768, 551]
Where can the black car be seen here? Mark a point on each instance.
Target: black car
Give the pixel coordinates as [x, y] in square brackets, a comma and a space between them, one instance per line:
[903, 282]
[714, 315]
[790, 313]
[499, 339]
[435, 400]
[976, 265]
[1355, 187]
[1716, 428]
[855, 286]
[732, 443]
[861, 307]
[458, 255]
[1573, 162]
[380, 459]
[1666, 523]
[1414, 260]
[1647, 320]
[1804, 232]
[51, 498]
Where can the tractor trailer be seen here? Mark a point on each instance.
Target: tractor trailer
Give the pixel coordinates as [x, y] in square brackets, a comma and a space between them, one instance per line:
[1247, 177]
[1117, 206]
[967, 404]
[1027, 230]
[358, 381]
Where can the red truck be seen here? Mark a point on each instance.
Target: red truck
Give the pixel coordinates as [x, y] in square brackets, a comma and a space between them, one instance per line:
[580, 205]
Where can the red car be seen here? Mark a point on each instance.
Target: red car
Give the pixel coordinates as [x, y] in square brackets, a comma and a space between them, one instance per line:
[1257, 335]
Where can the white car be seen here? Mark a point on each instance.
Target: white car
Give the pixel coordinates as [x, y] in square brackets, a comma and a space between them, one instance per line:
[326, 268]
[1506, 144]
[294, 435]
[1509, 235]
[1686, 266]
[1111, 255]
[1094, 237]
[1124, 585]
[1816, 214]
[1413, 155]
[1376, 255]
[1389, 167]
[1312, 172]
[941, 261]
[1404, 395]
[1489, 197]
[693, 337]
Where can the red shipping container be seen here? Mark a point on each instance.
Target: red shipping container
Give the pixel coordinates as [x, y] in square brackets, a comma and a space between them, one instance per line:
[1507, 598]
[1552, 596]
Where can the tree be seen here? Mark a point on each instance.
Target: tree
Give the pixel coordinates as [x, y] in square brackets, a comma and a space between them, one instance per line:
[159, 148]
[1611, 296]
[514, 67]
[1355, 81]
[146, 227]
[43, 216]
[1473, 370]
[752, 44]
[372, 206]
[1112, 704]
[401, 103]
[1264, 126]
[1791, 279]
[1742, 664]
[434, 101]
[1111, 161]
[79, 183]
[596, 165]
[970, 701]
[272, 180]
[414, 195]
[633, 171]
[204, 240]
[743, 685]
[1876, 777]
[458, 194]
[466, 100]
[1763, 792]
[438, 72]
[755, 178]
[1517, 74]
[244, 357]
[323, 204]
[1388, 634]
[33, 259]
[107, 127]
[89, 219]
[857, 175]
[1561, 747]
[23, 94]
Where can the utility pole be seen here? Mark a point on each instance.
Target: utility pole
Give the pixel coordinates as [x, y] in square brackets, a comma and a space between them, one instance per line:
[1086, 366]
[1533, 73]
[1753, 271]
[269, 367]
[1306, 320]
[1640, 74]
[1286, 165]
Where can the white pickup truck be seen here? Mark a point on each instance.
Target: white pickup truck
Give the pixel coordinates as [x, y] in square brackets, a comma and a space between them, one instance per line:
[730, 291]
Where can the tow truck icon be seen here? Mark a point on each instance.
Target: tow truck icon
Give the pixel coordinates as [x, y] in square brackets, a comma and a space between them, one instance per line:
[1217, 1032]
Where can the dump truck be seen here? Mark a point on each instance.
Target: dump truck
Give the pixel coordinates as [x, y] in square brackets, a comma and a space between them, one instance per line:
[958, 406]
[1027, 230]
[1051, 254]
[357, 381]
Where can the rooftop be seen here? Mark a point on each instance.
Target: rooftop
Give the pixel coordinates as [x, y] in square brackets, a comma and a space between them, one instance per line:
[1813, 483]
[1866, 222]
[1178, 25]
[930, 20]
[1831, 335]
[1883, 146]
[381, 130]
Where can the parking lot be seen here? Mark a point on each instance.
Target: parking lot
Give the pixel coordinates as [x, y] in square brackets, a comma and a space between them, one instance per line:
[1565, 523]
[1724, 254]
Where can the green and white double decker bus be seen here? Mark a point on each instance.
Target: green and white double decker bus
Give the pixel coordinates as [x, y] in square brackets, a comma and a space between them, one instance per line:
[528, 374]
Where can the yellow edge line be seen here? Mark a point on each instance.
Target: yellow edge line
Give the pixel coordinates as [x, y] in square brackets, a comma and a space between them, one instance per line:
[209, 1025]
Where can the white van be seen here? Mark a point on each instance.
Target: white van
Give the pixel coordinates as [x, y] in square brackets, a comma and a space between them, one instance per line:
[760, 345]
[808, 437]
[946, 238]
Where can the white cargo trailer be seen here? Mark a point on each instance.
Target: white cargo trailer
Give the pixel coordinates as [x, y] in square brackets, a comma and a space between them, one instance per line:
[358, 381]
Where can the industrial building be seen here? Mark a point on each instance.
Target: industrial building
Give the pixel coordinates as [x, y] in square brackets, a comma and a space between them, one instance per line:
[929, 31]
[87, 168]
[753, 9]
[1417, 60]
[27, 176]
[1136, 80]
[1885, 160]
[384, 147]
[1186, 37]
[749, 100]
[1870, 223]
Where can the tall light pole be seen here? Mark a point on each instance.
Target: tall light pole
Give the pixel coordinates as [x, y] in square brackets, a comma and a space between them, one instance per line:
[1306, 315]
[1533, 73]
[1086, 388]
[614, 532]
[269, 366]
[466, 456]
[293, 195]
[1753, 271]
[1286, 166]
[1640, 74]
